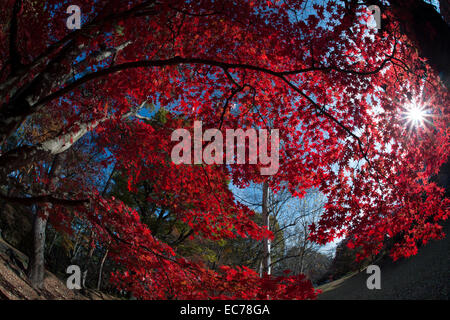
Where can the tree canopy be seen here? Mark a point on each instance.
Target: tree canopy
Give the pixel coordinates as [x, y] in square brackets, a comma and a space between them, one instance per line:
[339, 92]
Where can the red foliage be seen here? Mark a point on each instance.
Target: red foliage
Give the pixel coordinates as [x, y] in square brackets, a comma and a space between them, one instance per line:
[335, 90]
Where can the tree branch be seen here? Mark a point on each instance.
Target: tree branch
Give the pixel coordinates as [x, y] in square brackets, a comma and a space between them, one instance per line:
[43, 199]
[14, 56]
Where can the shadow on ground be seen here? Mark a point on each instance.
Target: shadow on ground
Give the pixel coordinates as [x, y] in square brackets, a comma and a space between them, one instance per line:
[423, 276]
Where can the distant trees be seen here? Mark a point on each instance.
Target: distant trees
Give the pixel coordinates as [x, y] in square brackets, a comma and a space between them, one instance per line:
[302, 254]
[290, 219]
[345, 261]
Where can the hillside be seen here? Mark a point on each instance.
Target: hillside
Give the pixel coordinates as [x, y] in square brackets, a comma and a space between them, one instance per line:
[15, 286]
[423, 276]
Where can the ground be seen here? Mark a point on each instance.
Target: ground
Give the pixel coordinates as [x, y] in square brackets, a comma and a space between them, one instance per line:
[14, 284]
[423, 276]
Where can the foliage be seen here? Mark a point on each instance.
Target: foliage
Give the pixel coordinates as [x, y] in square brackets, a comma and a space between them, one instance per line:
[335, 89]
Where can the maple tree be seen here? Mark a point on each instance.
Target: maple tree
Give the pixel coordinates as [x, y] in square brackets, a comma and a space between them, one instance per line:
[336, 90]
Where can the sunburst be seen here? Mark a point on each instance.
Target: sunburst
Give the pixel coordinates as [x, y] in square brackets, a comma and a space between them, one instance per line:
[416, 114]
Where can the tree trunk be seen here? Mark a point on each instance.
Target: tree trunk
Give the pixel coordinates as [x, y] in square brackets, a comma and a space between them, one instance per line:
[36, 268]
[445, 10]
[431, 35]
[105, 189]
[427, 29]
[52, 243]
[266, 241]
[87, 263]
[99, 282]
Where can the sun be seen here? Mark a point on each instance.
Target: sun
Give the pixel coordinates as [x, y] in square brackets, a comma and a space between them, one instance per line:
[415, 114]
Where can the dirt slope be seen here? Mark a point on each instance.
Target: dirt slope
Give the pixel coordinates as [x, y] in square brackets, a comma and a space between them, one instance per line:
[423, 276]
[15, 286]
